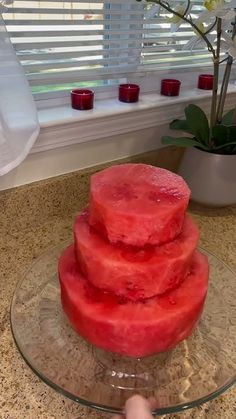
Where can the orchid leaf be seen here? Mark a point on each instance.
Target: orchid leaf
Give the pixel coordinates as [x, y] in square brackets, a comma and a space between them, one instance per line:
[225, 145]
[180, 125]
[227, 118]
[234, 116]
[220, 134]
[180, 141]
[197, 120]
[224, 138]
[223, 134]
[232, 130]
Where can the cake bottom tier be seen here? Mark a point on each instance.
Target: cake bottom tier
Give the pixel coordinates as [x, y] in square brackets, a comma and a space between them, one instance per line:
[135, 329]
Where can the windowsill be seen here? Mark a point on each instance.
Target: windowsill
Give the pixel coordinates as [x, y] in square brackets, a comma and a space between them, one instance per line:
[61, 115]
[62, 125]
[71, 140]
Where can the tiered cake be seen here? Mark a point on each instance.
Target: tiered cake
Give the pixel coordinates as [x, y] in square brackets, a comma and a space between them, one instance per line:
[133, 282]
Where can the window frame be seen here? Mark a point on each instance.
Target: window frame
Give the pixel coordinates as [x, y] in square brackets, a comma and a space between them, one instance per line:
[137, 75]
[102, 121]
[60, 124]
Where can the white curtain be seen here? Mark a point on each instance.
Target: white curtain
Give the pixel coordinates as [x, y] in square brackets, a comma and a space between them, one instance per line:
[19, 126]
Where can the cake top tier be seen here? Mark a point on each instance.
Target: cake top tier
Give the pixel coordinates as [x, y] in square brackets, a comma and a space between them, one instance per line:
[139, 188]
[138, 200]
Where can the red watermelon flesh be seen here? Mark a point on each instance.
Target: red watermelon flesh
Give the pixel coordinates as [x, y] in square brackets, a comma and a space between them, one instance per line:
[135, 329]
[138, 204]
[131, 272]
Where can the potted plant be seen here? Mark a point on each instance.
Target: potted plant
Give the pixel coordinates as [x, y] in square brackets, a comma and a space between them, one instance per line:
[209, 162]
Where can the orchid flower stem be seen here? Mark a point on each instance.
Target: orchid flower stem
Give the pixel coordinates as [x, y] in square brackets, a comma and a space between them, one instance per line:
[210, 28]
[187, 8]
[216, 77]
[224, 59]
[223, 91]
[189, 21]
[233, 37]
[234, 28]
[225, 82]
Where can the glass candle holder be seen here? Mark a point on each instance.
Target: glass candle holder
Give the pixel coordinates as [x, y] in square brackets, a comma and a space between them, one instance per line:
[129, 93]
[82, 99]
[170, 87]
[205, 81]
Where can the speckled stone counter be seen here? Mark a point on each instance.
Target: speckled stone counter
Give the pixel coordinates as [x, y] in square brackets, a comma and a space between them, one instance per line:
[36, 217]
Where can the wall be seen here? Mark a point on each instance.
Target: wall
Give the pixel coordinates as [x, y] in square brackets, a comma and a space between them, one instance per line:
[43, 165]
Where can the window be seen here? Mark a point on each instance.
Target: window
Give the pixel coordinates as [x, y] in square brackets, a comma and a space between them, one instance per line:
[164, 49]
[65, 44]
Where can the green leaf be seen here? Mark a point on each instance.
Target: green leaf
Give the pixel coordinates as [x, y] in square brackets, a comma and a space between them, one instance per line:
[197, 120]
[227, 118]
[180, 141]
[180, 125]
[225, 145]
[224, 138]
[220, 134]
[232, 129]
[223, 134]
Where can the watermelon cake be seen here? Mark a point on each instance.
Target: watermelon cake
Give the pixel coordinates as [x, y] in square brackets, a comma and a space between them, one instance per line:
[133, 282]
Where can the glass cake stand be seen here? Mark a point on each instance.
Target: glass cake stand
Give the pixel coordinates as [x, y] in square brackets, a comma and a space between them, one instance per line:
[197, 370]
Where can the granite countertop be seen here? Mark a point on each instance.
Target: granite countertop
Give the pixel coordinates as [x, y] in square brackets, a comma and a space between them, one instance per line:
[38, 217]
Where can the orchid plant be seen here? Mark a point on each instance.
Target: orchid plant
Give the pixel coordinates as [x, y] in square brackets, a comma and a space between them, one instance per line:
[215, 27]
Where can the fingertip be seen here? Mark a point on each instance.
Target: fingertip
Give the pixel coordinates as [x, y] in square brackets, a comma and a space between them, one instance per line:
[153, 403]
[136, 398]
[137, 407]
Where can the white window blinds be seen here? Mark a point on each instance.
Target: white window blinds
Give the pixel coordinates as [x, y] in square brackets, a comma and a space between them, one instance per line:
[62, 44]
[165, 49]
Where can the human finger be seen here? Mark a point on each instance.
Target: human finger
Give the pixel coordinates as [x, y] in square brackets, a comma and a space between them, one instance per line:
[137, 407]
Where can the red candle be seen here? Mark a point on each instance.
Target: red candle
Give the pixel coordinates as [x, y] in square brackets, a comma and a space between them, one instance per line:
[170, 87]
[129, 93]
[205, 81]
[82, 99]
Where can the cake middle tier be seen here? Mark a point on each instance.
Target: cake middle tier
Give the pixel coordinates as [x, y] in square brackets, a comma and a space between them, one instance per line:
[131, 272]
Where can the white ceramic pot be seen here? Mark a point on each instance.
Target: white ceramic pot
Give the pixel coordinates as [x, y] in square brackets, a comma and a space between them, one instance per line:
[211, 177]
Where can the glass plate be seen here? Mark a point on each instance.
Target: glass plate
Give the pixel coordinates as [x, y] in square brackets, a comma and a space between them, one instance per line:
[197, 370]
